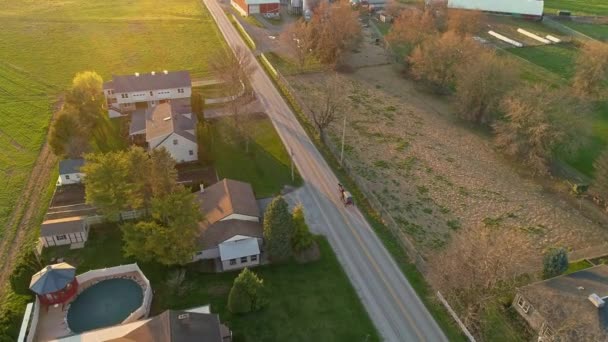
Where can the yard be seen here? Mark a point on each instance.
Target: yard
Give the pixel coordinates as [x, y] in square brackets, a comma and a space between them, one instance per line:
[314, 299]
[594, 31]
[557, 58]
[266, 166]
[44, 43]
[577, 7]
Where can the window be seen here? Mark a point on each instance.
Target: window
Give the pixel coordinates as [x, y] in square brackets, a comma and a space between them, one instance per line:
[61, 237]
[151, 93]
[180, 90]
[191, 152]
[521, 302]
[243, 259]
[253, 258]
[199, 253]
[545, 330]
[124, 96]
[232, 261]
[68, 176]
[174, 141]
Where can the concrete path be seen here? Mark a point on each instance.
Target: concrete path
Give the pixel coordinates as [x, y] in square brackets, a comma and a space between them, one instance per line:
[392, 304]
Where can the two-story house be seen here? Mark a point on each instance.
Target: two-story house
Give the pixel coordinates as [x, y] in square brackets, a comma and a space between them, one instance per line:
[126, 93]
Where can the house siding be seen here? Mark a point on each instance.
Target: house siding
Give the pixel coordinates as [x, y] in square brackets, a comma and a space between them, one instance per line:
[74, 178]
[269, 8]
[533, 317]
[210, 253]
[227, 267]
[157, 95]
[179, 152]
[50, 241]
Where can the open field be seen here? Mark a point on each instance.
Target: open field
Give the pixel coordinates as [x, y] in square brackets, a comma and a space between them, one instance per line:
[599, 32]
[577, 7]
[267, 164]
[557, 58]
[45, 43]
[305, 300]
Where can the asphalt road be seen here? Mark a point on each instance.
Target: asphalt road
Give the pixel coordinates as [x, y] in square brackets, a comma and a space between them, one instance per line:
[392, 304]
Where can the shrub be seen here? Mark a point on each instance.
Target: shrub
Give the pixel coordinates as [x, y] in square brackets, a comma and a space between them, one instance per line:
[555, 262]
[302, 237]
[247, 293]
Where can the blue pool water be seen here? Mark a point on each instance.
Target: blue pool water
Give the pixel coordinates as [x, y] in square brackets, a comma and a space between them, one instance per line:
[106, 303]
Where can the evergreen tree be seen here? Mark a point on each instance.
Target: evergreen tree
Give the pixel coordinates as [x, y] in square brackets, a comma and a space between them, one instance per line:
[555, 262]
[302, 237]
[278, 229]
[247, 293]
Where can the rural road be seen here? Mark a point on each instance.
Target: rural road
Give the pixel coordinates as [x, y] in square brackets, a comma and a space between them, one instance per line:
[391, 302]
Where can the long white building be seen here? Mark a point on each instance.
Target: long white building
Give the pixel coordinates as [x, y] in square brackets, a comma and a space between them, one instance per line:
[521, 7]
[124, 93]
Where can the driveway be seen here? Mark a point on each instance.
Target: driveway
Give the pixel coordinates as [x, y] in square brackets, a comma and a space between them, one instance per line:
[394, 307]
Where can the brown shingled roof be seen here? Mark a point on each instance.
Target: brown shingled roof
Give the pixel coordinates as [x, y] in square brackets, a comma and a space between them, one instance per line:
[214, 234]
[170, 117]
[225, 198]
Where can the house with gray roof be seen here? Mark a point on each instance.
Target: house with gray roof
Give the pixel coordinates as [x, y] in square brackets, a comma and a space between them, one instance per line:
[170, 125]
[126, 93]
[569, 307]
[231, 232]
[69, 172]
[73, 231]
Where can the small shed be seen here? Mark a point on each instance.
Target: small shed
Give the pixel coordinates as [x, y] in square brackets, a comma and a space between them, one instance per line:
[69, 172]
[264, 7]
[55, 284]
[72, 231]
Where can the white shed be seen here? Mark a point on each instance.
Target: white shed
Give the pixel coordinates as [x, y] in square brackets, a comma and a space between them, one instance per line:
[69, 172]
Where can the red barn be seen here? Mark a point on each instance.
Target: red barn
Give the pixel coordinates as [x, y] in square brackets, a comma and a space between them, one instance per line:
[247, 7]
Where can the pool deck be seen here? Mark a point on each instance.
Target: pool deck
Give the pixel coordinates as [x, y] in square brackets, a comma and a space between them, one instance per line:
[52, 322]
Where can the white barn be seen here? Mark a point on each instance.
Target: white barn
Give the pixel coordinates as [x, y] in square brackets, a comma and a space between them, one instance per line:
[73, 231]
[231, 232]
[532, 8]
[69, 172]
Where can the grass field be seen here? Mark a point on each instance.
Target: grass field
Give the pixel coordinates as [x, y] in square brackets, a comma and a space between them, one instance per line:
[44, 43]
[267, 165]
[558, 58]
[578, 7]
[599, 32]
[314, 299]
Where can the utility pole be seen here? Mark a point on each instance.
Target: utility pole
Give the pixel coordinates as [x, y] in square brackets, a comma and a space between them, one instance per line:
[343, 137]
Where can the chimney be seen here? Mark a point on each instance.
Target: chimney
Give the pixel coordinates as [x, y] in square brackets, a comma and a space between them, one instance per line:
[165, 72]
[136, 74]
[153, 73]
[202, 186]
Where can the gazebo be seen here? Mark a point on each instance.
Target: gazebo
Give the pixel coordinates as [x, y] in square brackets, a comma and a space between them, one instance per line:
[55, 284]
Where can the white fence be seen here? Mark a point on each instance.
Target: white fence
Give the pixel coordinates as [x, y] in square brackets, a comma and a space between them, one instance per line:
[144, 309]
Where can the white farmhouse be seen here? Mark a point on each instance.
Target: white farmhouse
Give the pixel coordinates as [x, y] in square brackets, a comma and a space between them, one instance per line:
[170, 125]
[125, 93]
[69, 172]
[231, 233]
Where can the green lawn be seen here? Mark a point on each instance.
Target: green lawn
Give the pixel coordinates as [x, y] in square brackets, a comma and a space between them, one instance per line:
[44, 43]
[267, 165]
[314, 299]
[557, 58]
[579, 7]
[578, 266]
[594, 31]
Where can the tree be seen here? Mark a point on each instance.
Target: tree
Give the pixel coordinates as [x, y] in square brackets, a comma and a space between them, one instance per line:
[162, 174]
[436, 60]
[297, 37]
[107, 182]
[302, 238]
[331, 100]
[28, 264]
[335, 28]
[86, 94]
[465, 22]
[66, 137]
[198, 106]
[591, 74]
[278, 229]
[170, 237]
[247, 293]
[412, 27]
[538, 122]
[478, 265]
[555, 262]
[204, 135]
[480, 86]
[139, 164]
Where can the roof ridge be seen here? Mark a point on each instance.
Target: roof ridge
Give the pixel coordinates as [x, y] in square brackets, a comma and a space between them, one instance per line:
[227, 188]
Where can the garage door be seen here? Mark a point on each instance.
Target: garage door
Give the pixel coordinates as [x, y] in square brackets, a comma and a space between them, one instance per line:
[254, 9]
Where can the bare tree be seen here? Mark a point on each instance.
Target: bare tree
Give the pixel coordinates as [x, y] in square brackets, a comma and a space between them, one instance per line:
[330, 101]
[538, 122]
[481, 84]
[298, 39]
[335, 28]
[465, 22]
[591, 70]
[477, 265]
[436, 60]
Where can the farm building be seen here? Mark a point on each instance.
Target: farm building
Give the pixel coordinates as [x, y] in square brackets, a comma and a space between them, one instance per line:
[533, 8]
[71, 231]
[69, 172]
[265, 7]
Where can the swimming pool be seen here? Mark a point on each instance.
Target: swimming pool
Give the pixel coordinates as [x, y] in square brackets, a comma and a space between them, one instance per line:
[106, 303]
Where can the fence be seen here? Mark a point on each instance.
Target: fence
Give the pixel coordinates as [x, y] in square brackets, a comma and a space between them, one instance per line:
[447, 306]
[144, 309]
